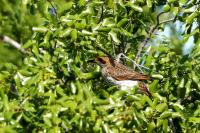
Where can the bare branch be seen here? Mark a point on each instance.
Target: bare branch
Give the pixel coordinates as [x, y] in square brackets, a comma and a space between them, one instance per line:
[151, 32]
[101, 17]
[166, 21]
[12, 42]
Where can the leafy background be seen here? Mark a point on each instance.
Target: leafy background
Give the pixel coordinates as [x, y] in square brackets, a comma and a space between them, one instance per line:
[52, 87]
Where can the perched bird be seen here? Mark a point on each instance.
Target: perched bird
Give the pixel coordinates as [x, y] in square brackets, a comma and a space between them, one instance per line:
[119, 74]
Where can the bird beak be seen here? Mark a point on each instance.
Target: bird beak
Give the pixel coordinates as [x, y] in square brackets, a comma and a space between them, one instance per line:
[91, 61]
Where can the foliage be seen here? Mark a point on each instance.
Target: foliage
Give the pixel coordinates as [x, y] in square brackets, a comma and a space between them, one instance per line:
[57, 90]
[15, 22]
[14, 56]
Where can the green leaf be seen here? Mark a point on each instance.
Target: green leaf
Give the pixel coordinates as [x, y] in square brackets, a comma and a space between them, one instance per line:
[73, 88]
[187, 86]
[149, 3]
[126, 33]
[122, 22]
[150, 127]
[175, 72]
[170, 1]
[159, 122]
[108, 22]
[5, 101]
[26, 118]
[182, 83]
[74, 35]
[66, 32]
[165, 126]
[194, 120]
[182, 2]
[110, 3]
[106, 128]
[166, 86]
[47, 37]
[131, 98]
[40, 29]
[71, 105]
[121, 3]
[114, 37]
[47, 121]
[161, 107]
[135, 7]
[81, 3]
[157, 76]
[195, 78]
[28, 44]
[165, 115]
[166, 8]
[191, 17]
[153, 85]
[97, 126]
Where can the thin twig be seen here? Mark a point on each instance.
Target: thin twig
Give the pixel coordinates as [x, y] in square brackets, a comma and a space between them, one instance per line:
[151, 32]
[135, 64]
[54, 9]
[122, 45]
[166, 21]
[141, 48]
[113, 47]
[12, 42]
[101, 17]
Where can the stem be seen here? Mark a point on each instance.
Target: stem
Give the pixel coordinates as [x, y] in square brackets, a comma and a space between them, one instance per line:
[101, 17]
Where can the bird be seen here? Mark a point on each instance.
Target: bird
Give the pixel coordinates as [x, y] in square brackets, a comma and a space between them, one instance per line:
[118, 74]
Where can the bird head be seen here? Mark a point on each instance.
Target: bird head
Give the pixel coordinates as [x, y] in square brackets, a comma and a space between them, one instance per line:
[104, 61]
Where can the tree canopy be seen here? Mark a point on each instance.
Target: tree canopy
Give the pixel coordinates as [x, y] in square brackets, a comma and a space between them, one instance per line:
[51, 87]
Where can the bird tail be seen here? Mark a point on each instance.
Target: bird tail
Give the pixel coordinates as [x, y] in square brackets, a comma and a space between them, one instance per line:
[144, 89]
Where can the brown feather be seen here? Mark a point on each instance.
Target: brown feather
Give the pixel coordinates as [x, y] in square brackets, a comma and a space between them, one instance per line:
[121, 72]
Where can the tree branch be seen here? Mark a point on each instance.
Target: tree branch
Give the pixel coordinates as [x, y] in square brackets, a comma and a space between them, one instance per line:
[15, 44]
[151, 32]
[101, 17]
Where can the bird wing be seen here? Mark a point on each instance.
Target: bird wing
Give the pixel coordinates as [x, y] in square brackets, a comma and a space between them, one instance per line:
[126, 74]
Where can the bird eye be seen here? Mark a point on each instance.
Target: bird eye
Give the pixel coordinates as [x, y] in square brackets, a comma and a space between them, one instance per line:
[101, 60]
